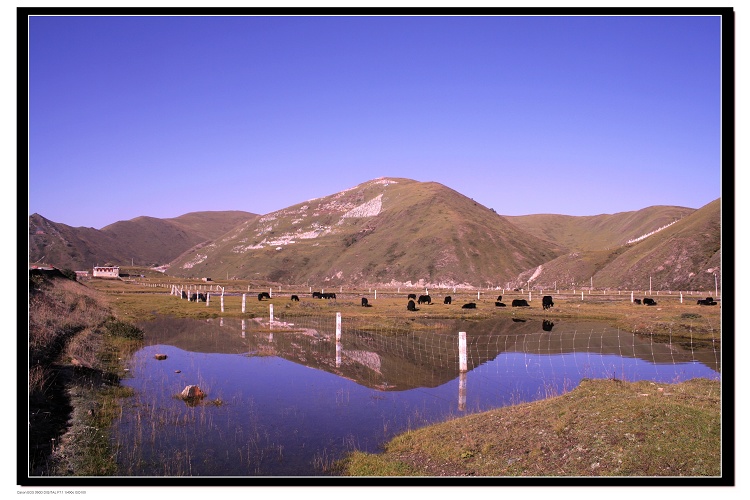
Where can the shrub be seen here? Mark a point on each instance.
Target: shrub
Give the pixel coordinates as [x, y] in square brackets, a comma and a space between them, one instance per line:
[69, 273]
[117, 328]
[690, 316]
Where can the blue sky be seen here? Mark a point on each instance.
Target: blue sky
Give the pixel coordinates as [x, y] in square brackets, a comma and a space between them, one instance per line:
[161, 116]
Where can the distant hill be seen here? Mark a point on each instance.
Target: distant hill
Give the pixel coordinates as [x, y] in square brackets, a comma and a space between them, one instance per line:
[143, 241]
[400, 232]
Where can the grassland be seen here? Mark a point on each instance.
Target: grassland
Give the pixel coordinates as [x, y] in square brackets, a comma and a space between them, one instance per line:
[674, 316]
[607, 427]
[601, 428]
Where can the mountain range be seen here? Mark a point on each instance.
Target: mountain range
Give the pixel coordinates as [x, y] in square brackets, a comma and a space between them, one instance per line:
[401, 232]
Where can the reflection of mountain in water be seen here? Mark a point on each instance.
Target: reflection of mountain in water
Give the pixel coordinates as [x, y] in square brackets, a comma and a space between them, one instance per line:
[421, 354]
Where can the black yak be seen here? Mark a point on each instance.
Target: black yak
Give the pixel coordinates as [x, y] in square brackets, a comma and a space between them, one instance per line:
[547, 302]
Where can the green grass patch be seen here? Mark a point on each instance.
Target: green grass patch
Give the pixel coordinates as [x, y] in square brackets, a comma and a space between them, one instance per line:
[601, 428]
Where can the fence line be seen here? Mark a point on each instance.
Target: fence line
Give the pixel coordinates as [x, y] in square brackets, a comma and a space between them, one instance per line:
[397, 291]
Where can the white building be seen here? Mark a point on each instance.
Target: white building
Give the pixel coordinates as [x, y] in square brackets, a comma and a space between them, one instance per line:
[107, 272]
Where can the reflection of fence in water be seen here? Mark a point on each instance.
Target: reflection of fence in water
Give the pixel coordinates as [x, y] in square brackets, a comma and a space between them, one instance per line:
[395, 353]
[388, 355]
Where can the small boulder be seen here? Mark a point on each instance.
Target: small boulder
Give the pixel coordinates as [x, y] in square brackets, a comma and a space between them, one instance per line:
[161, 356]
[192, 392]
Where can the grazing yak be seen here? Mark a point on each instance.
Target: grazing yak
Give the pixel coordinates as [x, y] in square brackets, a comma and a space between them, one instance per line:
[547, 302]
[193, 297]
[649, 302]
[637, 301]
[365, 302]
[184, 294]
[499, 304]
[294, 298]
[412, 296]
[411, 306]
[519, 303]
[708, 301]
[469, 305]
[447, 300]
[201, 297]
[424, 299]
[547, 325]
[499, 298]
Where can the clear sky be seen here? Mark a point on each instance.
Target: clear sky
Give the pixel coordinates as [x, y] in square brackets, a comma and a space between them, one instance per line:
[161, 116]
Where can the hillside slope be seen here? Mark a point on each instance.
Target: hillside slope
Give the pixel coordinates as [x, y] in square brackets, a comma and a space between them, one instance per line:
[599, 232]
[144, 241]
[683, 256]
[386, 231]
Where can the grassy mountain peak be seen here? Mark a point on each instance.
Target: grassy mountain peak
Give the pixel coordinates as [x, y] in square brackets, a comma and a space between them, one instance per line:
[386, 231]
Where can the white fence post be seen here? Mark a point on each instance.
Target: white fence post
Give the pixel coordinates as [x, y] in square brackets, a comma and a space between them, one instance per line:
[462, 363]
[338, 327]
[462, 391]
[339, 348]
[243, 302]
[270, 314]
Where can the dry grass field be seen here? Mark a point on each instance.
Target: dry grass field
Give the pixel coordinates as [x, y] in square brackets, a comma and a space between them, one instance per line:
[674, 316]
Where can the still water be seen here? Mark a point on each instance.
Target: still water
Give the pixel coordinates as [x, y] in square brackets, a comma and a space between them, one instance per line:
[290, 400]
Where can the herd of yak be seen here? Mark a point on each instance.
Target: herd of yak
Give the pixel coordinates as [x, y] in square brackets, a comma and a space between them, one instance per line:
[426, 299]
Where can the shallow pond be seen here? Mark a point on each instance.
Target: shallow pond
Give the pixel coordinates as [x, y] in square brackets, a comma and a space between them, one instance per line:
[289, 399]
